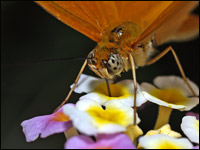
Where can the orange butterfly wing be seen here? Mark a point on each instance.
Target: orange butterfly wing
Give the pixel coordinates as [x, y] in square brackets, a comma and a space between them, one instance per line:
[92, 17]
[142, 13]
[86, 17]
[169, 21]
[74, 20]
[187, 31]
[105, 13]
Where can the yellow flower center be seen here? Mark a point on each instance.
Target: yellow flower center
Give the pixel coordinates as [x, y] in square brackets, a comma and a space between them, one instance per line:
[167, 145]
[173, 96]
[107, 116]
[59, 116]
[116, 90]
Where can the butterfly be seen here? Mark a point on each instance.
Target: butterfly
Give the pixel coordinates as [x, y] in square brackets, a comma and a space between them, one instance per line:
[126, 32]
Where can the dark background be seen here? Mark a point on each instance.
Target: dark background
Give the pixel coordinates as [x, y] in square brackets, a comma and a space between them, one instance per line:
[29, 33]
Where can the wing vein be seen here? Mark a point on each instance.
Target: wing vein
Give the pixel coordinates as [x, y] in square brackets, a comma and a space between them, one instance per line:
[73, 15]
[100, 27]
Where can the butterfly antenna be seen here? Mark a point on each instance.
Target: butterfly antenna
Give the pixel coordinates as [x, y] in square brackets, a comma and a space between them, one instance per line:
[49, 60]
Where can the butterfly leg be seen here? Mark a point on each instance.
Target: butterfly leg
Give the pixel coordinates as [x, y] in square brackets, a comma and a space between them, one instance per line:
[73, 87]
[156, 58]
[132, 62]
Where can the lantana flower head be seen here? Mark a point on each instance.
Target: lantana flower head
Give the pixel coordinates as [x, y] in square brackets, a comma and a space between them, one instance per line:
[97, 90]
[90, 118]
[46, 125]
[109, 141]
[109, 119]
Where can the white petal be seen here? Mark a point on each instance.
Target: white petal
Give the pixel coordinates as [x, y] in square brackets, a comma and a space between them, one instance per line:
[161, 102]
[118, 105]
[191, 103]
[129, 101]
[85, 105]
[147, 87]
[81, 120]
[95, 97]
[176, 82]
[162, 141]
[124, 100]
[190, 126]
[111, 128]
[87, 83]
[140, 99]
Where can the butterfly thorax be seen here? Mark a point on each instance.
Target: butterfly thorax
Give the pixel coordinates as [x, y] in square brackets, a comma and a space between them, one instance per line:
[110, 57]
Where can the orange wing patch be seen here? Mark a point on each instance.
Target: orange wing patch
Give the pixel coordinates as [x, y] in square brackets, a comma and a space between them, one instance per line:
[92, 17]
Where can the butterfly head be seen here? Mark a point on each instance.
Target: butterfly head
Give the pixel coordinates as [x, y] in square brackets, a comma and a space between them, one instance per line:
[109, 57]
[107, 65]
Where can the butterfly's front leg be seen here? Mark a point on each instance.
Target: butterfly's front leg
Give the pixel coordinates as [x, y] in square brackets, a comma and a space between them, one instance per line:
[73, 87]
[133, 68]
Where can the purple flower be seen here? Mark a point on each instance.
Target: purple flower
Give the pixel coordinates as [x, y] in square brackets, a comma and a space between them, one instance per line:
[109, 141]
[46, 125]
[193, 114]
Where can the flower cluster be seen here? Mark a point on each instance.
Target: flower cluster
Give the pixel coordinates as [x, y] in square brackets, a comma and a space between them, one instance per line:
[103, 121]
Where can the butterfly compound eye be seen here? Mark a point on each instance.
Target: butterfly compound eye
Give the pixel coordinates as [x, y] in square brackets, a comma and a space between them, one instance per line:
[115, 64]
[116, 34]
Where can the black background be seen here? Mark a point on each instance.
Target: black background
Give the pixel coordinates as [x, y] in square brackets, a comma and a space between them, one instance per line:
[29, 33]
